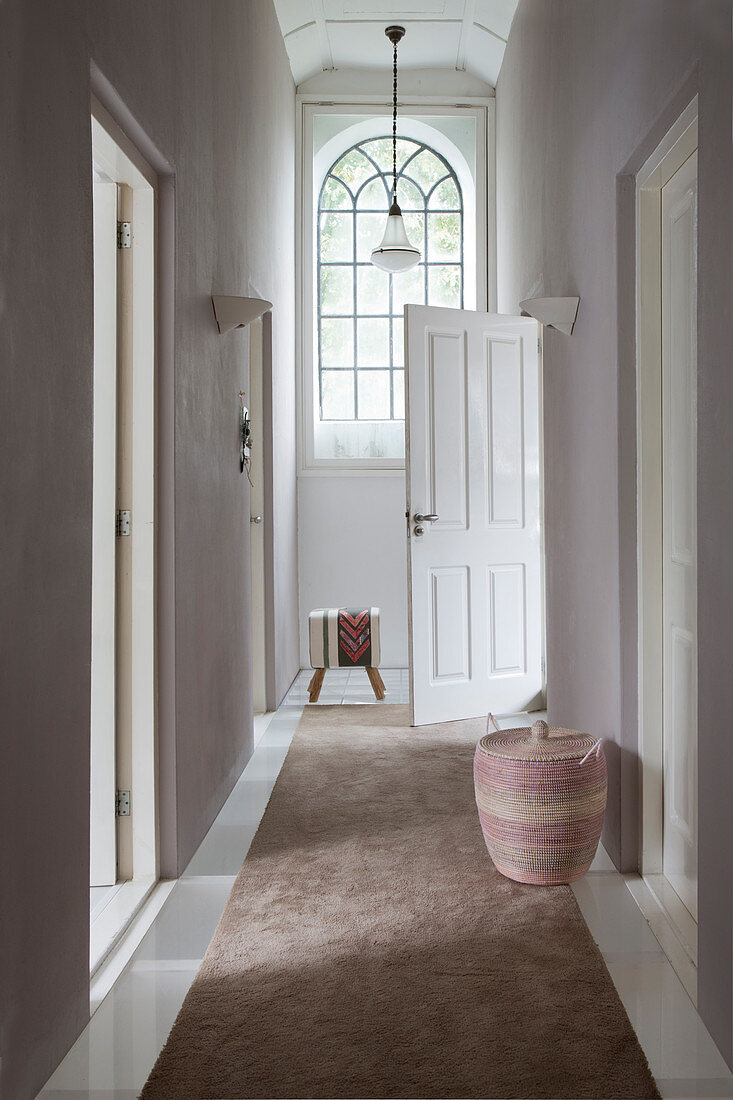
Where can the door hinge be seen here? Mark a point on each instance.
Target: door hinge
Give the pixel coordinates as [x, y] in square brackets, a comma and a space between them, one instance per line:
[539, 346]
[124, 234]
[124, 522]
[122, 804]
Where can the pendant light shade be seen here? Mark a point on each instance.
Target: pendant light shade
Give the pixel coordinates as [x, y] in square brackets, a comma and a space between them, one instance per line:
[395, 253]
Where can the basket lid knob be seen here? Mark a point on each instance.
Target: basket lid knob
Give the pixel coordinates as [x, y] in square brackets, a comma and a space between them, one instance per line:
[540, 731]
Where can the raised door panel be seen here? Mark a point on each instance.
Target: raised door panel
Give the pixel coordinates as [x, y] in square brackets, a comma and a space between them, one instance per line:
[505, 406]
[507, 620]
[680, 354]
[449, 625]
[446, 430]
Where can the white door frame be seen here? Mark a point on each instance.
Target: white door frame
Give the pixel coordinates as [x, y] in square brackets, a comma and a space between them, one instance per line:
[102, 823]
[257, 506]
[679, 143]
[138, 838]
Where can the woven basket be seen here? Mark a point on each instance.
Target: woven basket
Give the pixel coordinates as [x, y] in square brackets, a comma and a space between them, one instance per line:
[541, 796]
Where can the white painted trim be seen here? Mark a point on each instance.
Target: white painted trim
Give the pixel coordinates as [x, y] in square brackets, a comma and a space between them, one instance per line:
[139, 922]
[484, 182]
[138, 840]
[675, 148]
[111, 925]
[350, 98]
[673, 937]
[491, 276]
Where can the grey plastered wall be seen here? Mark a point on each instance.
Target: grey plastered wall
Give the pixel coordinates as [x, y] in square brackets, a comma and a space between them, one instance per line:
[585, 93]
[210, 85]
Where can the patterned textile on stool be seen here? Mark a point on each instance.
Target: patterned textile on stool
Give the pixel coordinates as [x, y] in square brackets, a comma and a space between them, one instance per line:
[344, 637]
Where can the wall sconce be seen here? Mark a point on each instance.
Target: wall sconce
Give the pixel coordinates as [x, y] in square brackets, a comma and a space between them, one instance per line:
[558, 313]
[231, 311]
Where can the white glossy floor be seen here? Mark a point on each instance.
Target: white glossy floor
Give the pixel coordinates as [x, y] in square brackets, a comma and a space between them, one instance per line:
[112, 1058]
[349, 685]
[99, 899]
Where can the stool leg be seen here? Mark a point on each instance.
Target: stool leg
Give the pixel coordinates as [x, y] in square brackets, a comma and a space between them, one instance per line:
[376, 681]
[314, 687]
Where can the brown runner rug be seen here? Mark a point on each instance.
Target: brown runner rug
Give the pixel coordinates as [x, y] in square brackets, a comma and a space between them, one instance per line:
[370, 949]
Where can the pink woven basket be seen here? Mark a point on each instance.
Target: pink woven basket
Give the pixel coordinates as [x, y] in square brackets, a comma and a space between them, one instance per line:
[541, 797]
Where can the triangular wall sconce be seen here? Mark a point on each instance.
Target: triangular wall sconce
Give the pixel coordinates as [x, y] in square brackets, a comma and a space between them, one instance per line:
[559, 313]
[231, 311]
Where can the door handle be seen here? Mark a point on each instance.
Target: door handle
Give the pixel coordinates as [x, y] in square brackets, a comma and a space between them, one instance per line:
[419, 518]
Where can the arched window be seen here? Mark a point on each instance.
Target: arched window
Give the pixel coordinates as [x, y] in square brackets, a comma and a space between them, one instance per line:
[359, 307]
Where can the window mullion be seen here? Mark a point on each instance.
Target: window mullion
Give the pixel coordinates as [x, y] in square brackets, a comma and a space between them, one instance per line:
[354, 285]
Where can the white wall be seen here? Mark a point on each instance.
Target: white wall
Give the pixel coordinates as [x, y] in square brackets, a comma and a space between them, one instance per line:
[210, 86]
[585, 94]
[353, 550]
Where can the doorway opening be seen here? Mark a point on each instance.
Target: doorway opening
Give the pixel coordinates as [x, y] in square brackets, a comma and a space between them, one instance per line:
[666, 206]
[123, 794]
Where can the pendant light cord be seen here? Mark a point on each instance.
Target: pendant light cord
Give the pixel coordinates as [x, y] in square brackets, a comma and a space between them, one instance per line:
[394, 129]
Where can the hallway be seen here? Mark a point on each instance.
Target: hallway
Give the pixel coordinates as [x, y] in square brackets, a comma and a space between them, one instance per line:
[113, 1057]
[230, 400]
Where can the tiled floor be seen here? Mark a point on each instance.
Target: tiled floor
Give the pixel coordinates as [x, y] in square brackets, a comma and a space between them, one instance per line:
[112, 1058]
[349, 685]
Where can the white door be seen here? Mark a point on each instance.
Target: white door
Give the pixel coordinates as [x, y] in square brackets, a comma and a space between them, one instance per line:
[103, 825]
[679, 530]
[473, 472]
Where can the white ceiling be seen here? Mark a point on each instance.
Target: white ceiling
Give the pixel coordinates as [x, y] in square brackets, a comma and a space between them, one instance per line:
[464, 35]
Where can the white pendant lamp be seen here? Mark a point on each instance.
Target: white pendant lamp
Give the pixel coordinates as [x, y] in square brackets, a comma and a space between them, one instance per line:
[395, 253]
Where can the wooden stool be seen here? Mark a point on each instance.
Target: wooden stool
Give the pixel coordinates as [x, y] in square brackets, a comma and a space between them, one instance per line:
[344, 637]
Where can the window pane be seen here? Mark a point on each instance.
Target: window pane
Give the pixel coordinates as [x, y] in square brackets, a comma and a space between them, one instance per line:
[372, 290]
[373, 196]
[415, 229]
[372, 342]
[369, 233]
[337, 395]
[334, 195]
[408, 287]
[444, 285]
[445, 197]
[337, 342]
[444, 236]
[337, 289]
[373, 394]
[398, 381]
[398, 342]
[409, 197]
[381, 151]
[336, 239]
[425, 169]
[353, 169]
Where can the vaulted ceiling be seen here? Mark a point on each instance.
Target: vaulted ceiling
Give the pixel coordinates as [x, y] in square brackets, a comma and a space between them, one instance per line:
[467, 35]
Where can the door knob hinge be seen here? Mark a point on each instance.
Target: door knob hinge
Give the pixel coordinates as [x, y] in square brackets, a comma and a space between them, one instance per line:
[123, 522]
[122, 804]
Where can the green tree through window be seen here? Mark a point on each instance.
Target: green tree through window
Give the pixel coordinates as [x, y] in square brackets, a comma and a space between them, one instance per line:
[360, 337]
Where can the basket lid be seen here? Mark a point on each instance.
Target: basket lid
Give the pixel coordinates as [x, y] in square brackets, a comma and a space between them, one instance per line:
[540, 742]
